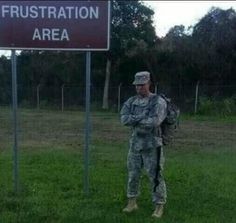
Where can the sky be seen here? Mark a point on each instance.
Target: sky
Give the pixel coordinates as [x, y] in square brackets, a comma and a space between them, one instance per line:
[187, 13]
[171, 13]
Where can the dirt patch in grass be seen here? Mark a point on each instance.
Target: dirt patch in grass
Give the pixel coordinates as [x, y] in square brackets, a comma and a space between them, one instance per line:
[67, 129]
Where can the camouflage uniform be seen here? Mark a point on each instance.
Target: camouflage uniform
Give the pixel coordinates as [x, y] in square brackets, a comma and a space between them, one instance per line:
[144, 115]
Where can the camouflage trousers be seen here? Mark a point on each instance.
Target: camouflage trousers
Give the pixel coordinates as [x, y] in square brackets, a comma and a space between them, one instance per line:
[149, 160]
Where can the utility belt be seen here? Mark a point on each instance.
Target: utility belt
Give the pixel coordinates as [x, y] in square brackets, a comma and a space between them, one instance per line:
[143, 132]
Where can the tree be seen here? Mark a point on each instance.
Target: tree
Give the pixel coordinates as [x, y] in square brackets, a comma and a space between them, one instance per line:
[215, 41]
[131, 22]
[5, 80]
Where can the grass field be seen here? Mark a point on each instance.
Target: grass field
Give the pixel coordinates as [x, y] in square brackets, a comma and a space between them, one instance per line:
[200, 170]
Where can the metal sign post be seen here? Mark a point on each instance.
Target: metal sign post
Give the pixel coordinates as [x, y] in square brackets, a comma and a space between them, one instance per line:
[15, 122]
[87, 127]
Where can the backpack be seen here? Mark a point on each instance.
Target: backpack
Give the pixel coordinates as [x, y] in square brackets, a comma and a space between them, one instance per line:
[170, 123]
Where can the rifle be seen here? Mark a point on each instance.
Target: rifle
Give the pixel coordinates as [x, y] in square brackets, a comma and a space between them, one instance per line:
[157, 182]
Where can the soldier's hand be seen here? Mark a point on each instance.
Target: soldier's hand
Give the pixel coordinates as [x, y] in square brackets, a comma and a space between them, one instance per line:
[142, 116]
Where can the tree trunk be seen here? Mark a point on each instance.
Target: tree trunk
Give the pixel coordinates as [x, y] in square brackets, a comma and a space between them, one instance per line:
[106, 85]
[149, 66]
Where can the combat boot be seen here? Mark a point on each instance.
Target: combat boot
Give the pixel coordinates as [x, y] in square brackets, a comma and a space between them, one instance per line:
[131, 206]
[158, 211]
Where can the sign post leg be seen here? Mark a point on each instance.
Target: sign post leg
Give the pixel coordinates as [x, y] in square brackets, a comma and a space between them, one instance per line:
[15, 127]
[87, 127]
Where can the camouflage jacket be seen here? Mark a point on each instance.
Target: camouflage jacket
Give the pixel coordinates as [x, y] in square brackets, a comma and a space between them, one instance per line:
[144, 115]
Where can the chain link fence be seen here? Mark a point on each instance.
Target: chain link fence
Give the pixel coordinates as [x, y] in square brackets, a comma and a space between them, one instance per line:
[191, 99]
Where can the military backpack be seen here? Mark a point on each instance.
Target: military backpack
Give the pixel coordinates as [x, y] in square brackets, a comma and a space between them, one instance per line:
[170, 123]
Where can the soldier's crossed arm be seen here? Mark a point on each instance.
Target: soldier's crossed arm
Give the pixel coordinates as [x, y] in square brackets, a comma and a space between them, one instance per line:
[126, 116]
[156, 115]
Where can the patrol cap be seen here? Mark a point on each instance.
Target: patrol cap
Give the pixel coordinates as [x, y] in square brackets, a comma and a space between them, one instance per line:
[141, 77]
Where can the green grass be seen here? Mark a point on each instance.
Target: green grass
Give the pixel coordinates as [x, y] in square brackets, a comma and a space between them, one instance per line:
[200, 171]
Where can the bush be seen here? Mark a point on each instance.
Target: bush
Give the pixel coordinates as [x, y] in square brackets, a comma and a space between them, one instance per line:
[211, 106]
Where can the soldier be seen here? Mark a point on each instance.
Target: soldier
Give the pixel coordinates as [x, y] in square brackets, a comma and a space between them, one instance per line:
[144, 113]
